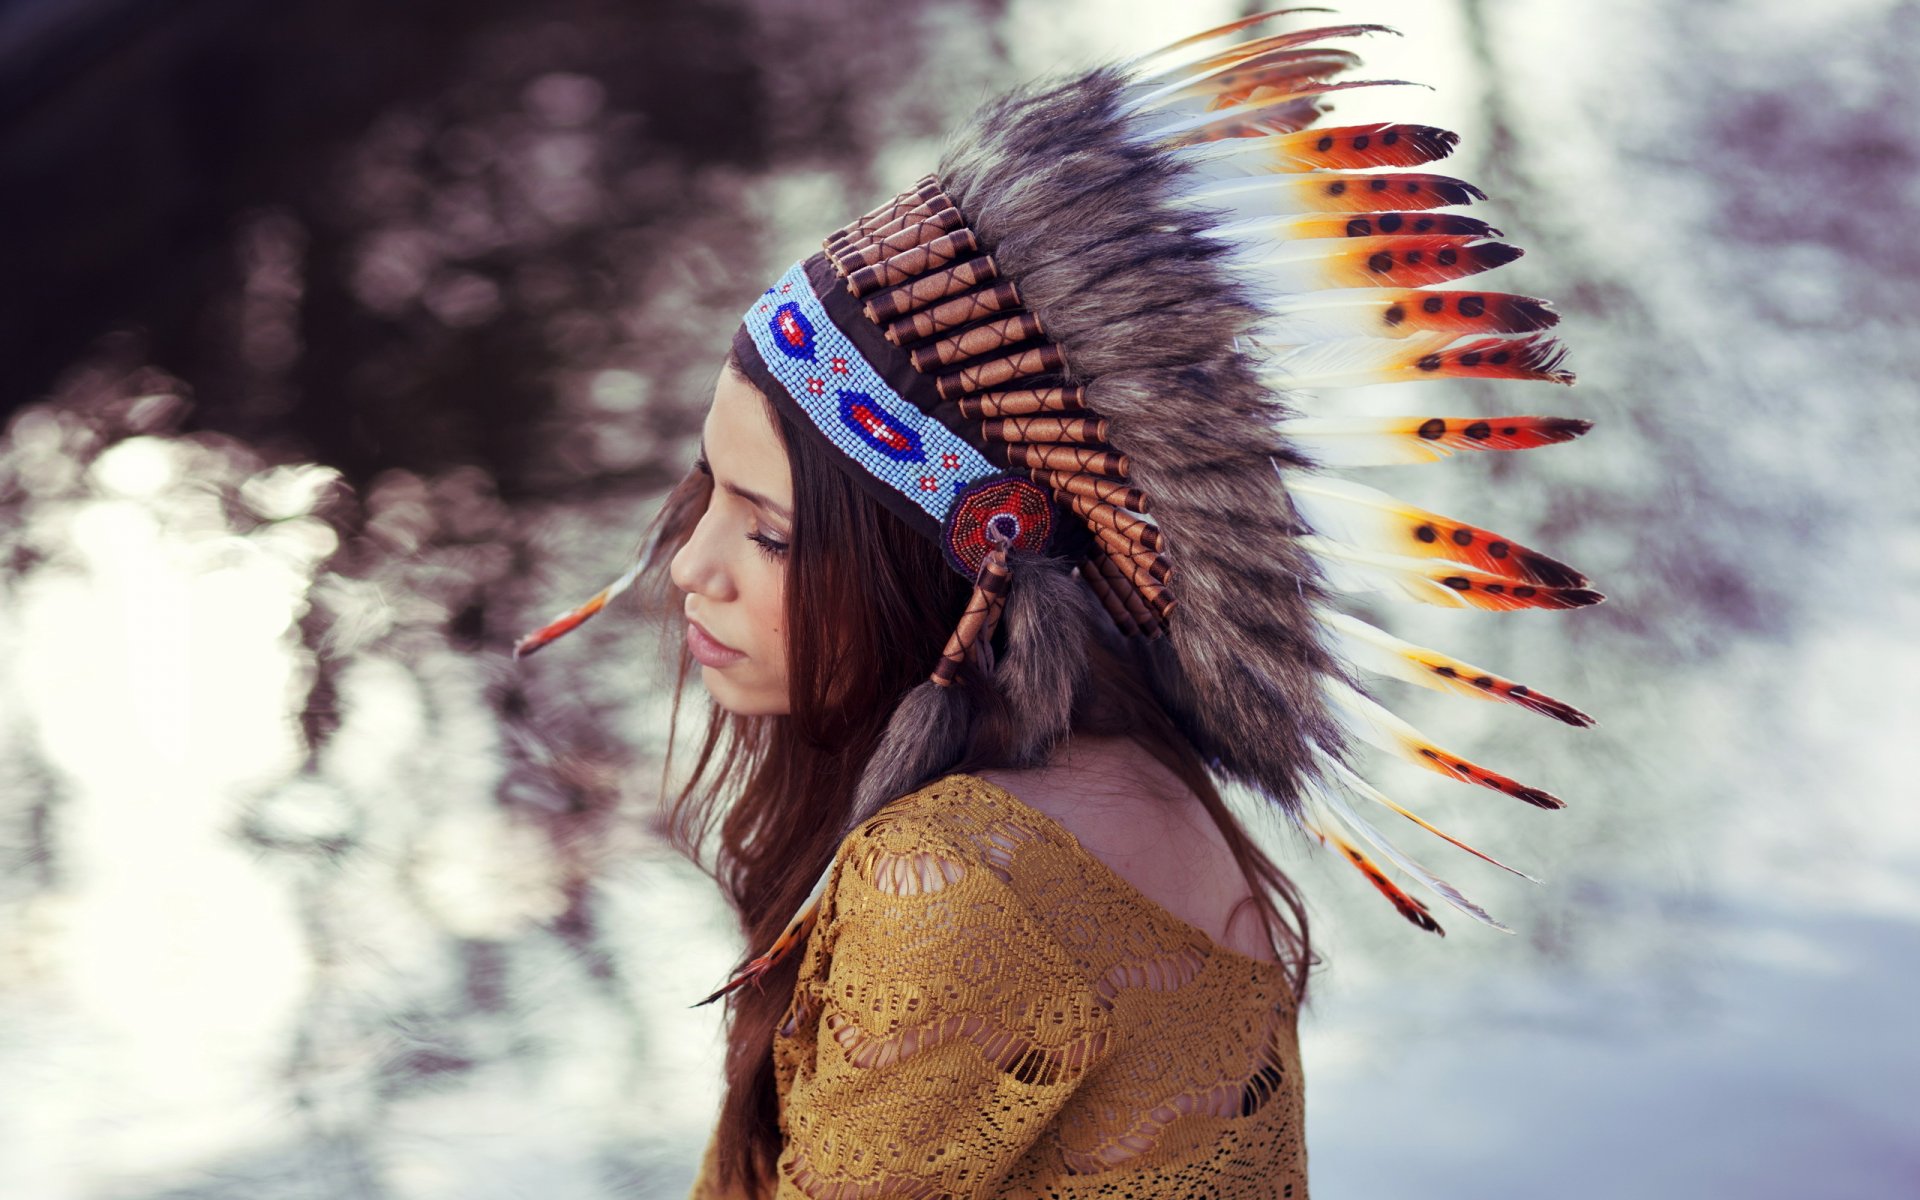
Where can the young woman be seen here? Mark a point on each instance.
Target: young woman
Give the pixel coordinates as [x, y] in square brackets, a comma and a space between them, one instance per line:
[1124, 812]
[1004, 545]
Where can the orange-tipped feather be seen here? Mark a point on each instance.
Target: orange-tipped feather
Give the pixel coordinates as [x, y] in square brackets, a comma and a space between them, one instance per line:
[1334, 802]
[790, 940]
[1378, 797]
[1376, 650]
[1354, 262]
[1352, 362]
[1444, 584]
[1536, 358]
[1244, 52]
[1259, 77]
[1383, 441]
[1379, 727]
[1326, 191]
[1302, 226]
[1408, 905]
[1469, 312]
[1375, 520]
[1303, 317]
[1344, 148]
[1278, 114]
[563, 624]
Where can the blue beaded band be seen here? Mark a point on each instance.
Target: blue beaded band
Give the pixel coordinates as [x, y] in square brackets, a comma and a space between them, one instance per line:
[845, 397]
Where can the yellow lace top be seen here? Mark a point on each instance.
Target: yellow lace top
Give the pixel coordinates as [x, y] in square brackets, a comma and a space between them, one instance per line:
[987, 1009]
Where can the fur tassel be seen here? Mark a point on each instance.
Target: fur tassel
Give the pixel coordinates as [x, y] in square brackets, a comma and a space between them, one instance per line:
[1048, 619]
[927, 733]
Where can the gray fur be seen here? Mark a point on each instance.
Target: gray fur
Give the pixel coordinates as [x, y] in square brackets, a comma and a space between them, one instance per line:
[1076, 214]
[926, 734]
[1048, 619]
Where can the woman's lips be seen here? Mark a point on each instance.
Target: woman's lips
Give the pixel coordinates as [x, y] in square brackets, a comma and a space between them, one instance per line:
[706, 650]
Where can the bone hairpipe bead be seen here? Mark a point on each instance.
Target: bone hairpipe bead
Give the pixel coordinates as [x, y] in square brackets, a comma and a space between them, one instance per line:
[866, 254]
[1046, 429]
[1103, 591]
[1125, 550]
[977, 621]
[1044, 359]
[1156, 595]
[912, 264]
[922, 191]
[1023, 403]
[1093, 487]
[978, 340]
[893, 225]
[1106, 516]
[1071, 459]
[953, 314]
[892, 305]
[1163, 602]
[1143, 614]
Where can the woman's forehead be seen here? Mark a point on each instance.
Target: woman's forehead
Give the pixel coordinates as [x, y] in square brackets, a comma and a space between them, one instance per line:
[740, 440]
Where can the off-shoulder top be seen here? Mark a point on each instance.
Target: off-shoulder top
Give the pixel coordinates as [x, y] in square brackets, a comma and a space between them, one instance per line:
[985, 1008]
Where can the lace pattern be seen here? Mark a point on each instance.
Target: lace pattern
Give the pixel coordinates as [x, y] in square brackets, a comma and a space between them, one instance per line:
[986, 1009]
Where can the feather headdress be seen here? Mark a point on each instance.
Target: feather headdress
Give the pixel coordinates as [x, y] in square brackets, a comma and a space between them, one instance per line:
[1087, 355]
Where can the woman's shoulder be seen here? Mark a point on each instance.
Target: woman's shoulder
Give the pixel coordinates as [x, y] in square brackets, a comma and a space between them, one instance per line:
[1144, 825]
[950, 877]
[932, 838]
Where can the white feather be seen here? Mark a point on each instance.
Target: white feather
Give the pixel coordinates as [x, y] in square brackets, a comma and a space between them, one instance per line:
[1374, 649]
[1352, 512]
[1352, 570]
[1341, 442]
[1302, 317]
[1363, 788]
[1352, 361]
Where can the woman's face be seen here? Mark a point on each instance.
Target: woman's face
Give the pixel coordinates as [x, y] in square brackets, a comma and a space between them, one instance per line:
[733, 568]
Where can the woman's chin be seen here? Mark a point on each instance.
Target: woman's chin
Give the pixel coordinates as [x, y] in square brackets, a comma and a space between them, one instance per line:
[742, 701]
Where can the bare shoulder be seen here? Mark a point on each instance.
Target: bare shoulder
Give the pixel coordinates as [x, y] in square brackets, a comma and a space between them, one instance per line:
[1130, 811]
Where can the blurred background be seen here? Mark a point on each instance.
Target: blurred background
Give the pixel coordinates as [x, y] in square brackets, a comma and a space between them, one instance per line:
[341, 343]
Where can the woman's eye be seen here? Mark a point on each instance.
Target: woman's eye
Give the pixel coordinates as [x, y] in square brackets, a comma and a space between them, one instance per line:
[770, 547]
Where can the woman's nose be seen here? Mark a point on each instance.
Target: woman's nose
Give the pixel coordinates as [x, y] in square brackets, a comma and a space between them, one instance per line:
[697, 567]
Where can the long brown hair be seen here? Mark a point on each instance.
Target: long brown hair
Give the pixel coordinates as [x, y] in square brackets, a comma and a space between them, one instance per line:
[869, 605]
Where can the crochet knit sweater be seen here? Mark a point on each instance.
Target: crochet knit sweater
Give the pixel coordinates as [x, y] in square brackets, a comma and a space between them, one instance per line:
[987, 1009]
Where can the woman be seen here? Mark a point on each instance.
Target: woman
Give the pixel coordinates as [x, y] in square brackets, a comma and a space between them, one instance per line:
[1022, 425]
[785, 535]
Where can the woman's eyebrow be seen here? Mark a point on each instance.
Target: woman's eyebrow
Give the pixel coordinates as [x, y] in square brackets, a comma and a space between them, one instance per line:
[779, 510]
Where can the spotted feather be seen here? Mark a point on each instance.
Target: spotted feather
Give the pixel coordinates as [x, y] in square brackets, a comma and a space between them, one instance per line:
[1370, 722]
[1352, 362]
[1384, 441]
[1443, 584]
[1376, 650]
[1375, 520]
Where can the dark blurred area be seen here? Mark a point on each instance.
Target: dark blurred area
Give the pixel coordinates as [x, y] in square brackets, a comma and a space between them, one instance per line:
[440, 206]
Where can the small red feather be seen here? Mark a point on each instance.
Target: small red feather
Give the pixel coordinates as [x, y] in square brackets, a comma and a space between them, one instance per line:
[1407, 904]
